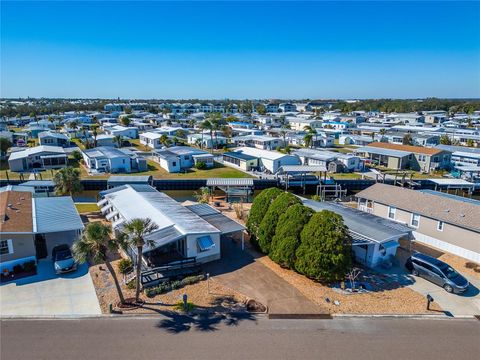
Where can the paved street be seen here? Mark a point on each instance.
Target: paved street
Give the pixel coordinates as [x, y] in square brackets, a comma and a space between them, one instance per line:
[181, 337]
[49, 294]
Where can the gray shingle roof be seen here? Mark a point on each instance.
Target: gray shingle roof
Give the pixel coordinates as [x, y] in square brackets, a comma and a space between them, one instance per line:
[429, 204]
[361, 223]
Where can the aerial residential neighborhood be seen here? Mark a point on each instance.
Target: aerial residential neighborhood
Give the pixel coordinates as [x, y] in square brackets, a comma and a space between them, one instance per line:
[240, 180]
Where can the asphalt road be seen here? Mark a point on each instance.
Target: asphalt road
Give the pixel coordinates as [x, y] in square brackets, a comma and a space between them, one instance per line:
[181, 337]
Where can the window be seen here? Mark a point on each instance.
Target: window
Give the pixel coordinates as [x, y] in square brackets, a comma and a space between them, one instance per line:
[435, 159]
[440, 226]
[391, 212]
[174, 163]
[6, 247]
[415, 220]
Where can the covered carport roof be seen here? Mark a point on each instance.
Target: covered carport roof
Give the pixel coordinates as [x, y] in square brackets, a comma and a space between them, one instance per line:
[302, 168]
[216, 218]
[230, 182]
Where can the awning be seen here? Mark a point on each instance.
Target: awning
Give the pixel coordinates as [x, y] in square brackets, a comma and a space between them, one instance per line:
[390, 244]
[111, 215]
[106, 208]
[117, 223]
[102, 202]
[205, 243]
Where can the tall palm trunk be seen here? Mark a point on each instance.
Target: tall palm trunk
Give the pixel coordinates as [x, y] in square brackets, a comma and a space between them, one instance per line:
[211, 140]
[139, 272]
[115, 280]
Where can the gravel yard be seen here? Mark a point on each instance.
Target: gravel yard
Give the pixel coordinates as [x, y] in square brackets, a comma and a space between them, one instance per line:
[219, 299]
[396, 300]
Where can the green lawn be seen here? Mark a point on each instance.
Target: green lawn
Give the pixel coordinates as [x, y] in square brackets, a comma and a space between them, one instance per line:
[83, 208]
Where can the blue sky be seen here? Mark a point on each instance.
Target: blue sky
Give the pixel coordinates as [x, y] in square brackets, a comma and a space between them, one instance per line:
[240, 49]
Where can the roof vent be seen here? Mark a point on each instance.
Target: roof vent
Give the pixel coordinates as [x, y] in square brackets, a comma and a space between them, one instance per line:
[10, 205]
[462, 215]
[446, 210]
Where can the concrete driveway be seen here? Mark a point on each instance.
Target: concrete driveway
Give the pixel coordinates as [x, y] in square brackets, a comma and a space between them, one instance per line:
[467, 303]
[49, 294]
[238, 270]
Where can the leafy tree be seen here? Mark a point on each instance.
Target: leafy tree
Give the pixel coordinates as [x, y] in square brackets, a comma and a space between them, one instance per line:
[261, 109]
[128, 110]
[324, 253]
[93, 244]
[470, 143]
[287, 234]
[67, 181]
[5, 144]
[181, 133]
[125, 121]
[445, 140]
[118, 140]
[407, 139]
[259, 208]
[200, 165]
[268, 225]
[77, 155]
[203, 196]
[135, 232]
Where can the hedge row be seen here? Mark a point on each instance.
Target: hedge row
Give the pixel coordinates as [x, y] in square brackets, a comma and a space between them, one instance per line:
[173, 285]
[294, 236]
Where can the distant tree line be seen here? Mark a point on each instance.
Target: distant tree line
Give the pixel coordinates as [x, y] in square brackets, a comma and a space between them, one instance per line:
[395, 105]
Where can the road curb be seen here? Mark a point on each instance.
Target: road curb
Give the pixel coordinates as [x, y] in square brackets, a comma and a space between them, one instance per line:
[405, 316]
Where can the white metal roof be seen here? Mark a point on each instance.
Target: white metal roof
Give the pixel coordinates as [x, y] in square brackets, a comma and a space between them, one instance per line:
[160, 208]
[265, 154]
[56, 214]
[453, 182]
[302, 168]
[36, 150]
[230, 182]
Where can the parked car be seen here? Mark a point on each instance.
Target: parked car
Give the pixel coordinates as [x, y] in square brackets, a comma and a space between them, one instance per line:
[438, 272]
[63, 260]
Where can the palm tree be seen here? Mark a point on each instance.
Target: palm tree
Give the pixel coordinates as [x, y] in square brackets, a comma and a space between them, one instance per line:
[310, 131]
[118, 140]
[67, 181]
[95, 134]
[308, 139]
[135, 231]
[93, 244]
[74, 126]
[207, 125]
[283, 132]
[164, 139]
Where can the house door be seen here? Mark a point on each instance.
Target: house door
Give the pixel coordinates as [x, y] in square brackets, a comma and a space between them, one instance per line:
[41, 246]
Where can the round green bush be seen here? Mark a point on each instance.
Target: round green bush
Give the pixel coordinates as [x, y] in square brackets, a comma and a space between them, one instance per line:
[259, 208]
[268, 225]
[324, 253]
[125, 266]
[287, 234]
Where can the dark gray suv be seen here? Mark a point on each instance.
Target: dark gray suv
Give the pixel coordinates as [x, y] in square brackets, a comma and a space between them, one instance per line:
[437, 272]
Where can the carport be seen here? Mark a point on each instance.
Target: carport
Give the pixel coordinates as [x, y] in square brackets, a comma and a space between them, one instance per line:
[223, 223]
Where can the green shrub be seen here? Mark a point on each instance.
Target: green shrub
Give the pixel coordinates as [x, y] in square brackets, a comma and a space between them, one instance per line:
[324, 253]
[181, 306]
[176, 285]
[287, 234]
[125, 266]
[259, 208]
[151, 292]
[200, 165]
[268, 225]
[132, 284]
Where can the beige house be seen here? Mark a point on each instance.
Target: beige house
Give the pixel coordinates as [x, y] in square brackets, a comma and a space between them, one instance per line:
[31, 227]
[395, 156]
[447, 222]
